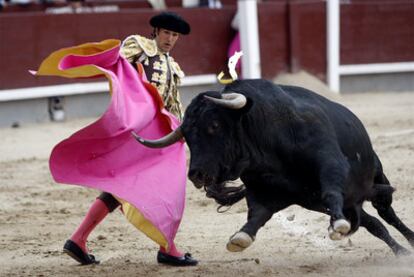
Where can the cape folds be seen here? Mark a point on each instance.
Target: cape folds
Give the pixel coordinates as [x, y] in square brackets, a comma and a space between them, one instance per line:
[150, 183]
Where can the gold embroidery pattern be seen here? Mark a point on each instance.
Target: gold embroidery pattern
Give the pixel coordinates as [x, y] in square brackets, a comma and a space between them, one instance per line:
[162, 73]
[159, 78]
[161, 66]
[148, 45]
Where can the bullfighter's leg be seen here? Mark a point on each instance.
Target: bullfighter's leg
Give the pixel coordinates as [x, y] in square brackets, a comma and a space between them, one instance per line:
[257, 216]
[333, 176]
[76, 245]
[375, 227]
[382, 202]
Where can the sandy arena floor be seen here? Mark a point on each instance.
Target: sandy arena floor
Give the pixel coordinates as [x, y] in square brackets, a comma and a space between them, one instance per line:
[38, 215]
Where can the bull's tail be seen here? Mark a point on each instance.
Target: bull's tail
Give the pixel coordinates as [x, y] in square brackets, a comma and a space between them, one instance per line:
[225, 196]
[381, 191]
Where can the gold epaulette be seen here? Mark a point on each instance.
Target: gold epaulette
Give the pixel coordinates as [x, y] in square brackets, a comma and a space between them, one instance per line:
[134, 45]
[148, 45]
[176, 68]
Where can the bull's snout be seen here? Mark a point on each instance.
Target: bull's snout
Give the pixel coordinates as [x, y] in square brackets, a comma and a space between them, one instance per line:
[199, 178]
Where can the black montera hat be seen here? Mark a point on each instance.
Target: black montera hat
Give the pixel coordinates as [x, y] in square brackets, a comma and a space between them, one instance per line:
[170, 21]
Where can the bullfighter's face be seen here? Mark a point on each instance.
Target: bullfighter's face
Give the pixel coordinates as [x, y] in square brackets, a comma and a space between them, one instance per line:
[166, 39]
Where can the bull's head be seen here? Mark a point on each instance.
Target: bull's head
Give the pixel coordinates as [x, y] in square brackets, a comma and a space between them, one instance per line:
[212, 130]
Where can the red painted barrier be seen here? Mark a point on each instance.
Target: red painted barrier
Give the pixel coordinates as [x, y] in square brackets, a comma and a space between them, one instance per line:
[292, 36]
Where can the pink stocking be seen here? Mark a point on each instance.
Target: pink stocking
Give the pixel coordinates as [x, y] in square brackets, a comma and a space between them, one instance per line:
[173, 251]
[97, 212]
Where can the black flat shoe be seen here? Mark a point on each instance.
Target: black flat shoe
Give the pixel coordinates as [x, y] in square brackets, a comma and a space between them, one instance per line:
[73, 250]
[186, 260]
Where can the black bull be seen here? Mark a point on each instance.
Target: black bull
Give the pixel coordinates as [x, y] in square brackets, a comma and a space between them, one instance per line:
[289, 146]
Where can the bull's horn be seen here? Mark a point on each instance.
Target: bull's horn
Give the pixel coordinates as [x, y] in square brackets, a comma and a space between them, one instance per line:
[229, 100]
[165, 141]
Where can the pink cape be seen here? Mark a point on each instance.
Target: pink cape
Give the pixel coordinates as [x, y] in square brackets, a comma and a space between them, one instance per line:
[106, 157]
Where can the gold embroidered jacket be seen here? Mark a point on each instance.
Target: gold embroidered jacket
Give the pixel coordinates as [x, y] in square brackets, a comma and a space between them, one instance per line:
[160, 68]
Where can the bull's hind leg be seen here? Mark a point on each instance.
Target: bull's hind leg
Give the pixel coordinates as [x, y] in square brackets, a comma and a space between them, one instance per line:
[382, 202]
[375, 227]
[258, 215]
[388, 214]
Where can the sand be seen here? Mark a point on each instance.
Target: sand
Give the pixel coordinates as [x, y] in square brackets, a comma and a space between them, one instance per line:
[37, 215]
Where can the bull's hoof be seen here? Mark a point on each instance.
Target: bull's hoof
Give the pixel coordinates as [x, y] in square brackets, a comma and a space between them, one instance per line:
[401, 252]
[411, 241]
[239, 241]
[334, 235]
[342, 226]
[339, 230]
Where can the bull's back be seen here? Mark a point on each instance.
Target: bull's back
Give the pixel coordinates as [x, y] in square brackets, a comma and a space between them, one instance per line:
[349, 130]
[265, 92]
[351, 135]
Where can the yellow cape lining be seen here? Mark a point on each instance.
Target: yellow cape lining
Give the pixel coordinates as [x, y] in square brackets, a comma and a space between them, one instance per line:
[50, 66]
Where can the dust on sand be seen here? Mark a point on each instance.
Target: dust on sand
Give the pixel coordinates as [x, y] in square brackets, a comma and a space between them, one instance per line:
[37, 215]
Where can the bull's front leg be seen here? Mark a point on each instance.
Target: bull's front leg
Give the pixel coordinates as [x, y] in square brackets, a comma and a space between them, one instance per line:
[333, 177]
[258, 215]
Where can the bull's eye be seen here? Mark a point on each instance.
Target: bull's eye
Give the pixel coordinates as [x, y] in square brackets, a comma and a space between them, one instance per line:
[212, 129]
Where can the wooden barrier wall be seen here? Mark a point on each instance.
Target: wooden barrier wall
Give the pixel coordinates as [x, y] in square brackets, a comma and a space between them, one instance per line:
[30, 37]
[292, 36]
[27, 38]
[372, 31]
